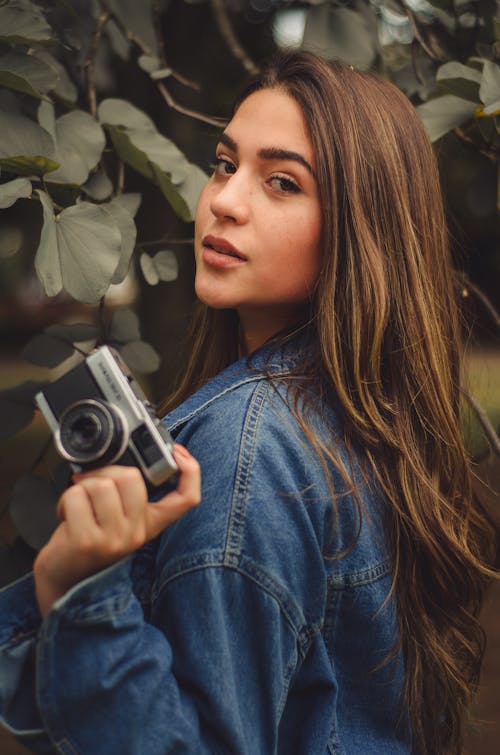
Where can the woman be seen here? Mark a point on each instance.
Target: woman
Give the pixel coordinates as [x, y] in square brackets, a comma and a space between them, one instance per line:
[323, 595]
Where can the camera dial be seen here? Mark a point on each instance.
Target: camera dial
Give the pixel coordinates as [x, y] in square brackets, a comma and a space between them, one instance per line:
[91, 433]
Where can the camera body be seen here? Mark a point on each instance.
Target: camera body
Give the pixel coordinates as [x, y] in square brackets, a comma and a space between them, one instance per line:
[99, 415]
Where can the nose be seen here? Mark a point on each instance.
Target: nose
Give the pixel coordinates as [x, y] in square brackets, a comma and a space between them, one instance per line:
[231, 199]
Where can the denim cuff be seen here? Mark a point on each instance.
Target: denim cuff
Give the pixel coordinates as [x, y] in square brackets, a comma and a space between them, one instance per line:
[96, 598]
[19, 610]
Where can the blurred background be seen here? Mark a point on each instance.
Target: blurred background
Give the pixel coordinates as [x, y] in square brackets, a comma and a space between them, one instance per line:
[180, 63]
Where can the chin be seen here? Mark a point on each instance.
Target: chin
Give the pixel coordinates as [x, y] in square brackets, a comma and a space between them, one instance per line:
[214, 301]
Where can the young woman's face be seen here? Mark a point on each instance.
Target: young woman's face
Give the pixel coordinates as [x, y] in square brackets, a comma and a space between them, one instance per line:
[258, 222]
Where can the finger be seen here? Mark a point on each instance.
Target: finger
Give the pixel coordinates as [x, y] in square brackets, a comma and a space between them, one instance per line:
[75, 509]
[130, 484]
[105, 501]
[176, 503]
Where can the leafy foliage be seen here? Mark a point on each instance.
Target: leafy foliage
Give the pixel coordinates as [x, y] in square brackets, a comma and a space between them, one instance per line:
[73, 151]
[76, 146]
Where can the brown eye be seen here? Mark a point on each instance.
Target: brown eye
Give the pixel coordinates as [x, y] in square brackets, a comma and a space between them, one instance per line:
[223, 167]
[284, 185]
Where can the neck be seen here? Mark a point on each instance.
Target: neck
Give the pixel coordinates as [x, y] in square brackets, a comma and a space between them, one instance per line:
[256, 327]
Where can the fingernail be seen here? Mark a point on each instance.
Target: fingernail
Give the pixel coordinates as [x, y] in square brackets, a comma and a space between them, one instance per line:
[178, 449]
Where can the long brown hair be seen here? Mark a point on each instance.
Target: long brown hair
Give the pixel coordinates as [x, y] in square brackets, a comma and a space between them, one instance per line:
[386, 325]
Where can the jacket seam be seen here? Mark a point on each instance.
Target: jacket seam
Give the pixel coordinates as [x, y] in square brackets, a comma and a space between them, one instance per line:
[360, 578]
[304, 633]
[245, 459]
[200, 407]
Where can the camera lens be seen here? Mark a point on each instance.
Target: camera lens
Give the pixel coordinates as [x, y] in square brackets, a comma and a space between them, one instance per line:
[90, 433]
[86, 432]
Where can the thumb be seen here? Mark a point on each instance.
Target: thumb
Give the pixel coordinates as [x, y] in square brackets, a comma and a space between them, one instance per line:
[177, 502]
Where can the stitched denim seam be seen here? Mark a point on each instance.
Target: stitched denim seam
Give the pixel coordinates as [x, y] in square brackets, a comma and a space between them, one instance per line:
[21, 636]
[287, 676]
[45, 702]
[247, 568]
[205, 404]
[65, 746]
[243, 470]
[360, 578]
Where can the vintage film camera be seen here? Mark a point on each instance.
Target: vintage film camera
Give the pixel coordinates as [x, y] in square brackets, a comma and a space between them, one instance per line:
[99, 415]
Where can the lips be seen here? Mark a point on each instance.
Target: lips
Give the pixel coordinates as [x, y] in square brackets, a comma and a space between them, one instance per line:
[221, 246]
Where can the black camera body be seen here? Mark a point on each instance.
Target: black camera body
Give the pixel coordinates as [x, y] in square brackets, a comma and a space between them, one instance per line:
[99, 415]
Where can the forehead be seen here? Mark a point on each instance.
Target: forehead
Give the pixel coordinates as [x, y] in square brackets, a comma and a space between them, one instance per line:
[271, 118]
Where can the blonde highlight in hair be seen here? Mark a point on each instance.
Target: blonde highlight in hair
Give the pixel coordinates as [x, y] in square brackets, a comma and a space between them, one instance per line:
[387, 337]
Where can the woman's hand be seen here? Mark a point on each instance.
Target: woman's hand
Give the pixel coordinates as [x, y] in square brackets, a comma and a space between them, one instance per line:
[105, 516]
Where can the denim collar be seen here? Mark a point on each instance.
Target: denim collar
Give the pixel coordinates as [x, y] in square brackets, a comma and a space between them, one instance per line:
[276, 359]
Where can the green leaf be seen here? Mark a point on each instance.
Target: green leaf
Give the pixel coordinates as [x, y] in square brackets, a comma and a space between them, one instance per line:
[128, 231]
[46, 351]
[444, 114]
[17, 407]
[131, 201]
[98, 186]
[10, 192]
[26, 73]
[73, 333]
[149, 63]
[139, 144]
[37, 165]
[79, 143]
[124, 326]
[192, 186]
[25, 147]
[140, 161]
[148, 270]
[11, 240]
[64, 87]
[143, 134]
[17, 83]
[117, 112]
[47, 118]
[79, 250]
[171, 194]
[166, 265]
[163, 266]
[56, 343]
[22, 22]
[140, 357]
[489, 91]
[33, 509]
[161, 151]
[460, 80]
[152, 65]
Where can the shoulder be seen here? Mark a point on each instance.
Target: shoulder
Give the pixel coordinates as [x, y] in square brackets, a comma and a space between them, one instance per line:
[244, 419]
[257, 480]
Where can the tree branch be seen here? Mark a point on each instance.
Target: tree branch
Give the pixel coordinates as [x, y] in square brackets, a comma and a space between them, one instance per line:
[90, 62]
[491, 154]
[488, 429]
[137, 41]
[481, 296]
[431, 47]
[227, 32]
[219, 122]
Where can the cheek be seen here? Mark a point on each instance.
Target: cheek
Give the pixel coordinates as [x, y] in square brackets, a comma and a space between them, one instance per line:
[202, 210]
[302, 247]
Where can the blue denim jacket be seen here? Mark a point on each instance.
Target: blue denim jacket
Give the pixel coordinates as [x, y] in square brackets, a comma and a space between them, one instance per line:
[237, 631]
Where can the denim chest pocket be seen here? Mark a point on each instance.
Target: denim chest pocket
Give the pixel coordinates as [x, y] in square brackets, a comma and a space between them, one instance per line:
[358, 601]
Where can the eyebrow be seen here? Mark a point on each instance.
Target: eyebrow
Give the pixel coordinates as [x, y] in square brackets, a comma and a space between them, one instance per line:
[270, 153]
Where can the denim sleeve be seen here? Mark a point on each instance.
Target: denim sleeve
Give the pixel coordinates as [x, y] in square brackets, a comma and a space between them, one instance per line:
[108, 682]
[19, 623]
